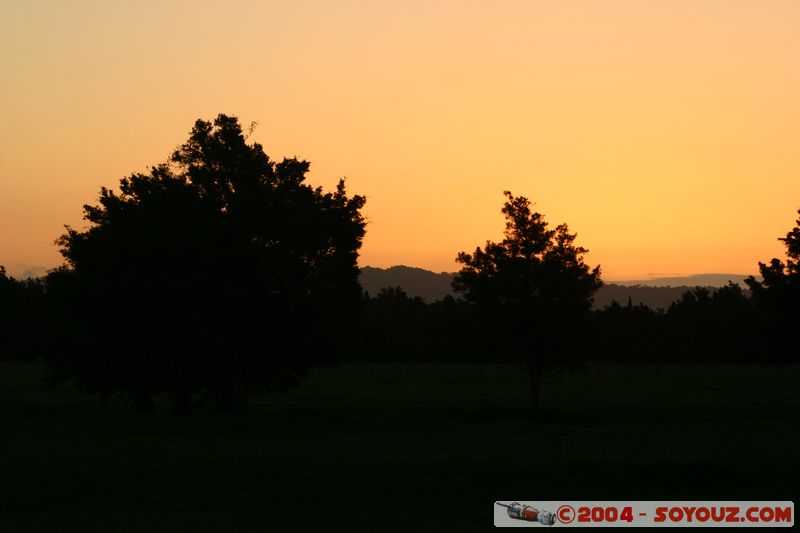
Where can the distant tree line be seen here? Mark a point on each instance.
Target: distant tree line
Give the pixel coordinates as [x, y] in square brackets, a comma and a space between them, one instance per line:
[703, 326]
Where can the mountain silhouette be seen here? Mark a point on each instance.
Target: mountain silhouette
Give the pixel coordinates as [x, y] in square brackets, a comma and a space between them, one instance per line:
[428, 285]
[696, 280]
[657, 293]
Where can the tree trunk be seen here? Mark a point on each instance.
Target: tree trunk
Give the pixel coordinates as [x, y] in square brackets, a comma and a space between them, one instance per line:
[535, 382]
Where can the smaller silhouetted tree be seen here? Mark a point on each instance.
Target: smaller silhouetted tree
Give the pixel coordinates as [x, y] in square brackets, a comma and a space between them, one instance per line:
[532, 289]
[777, 295]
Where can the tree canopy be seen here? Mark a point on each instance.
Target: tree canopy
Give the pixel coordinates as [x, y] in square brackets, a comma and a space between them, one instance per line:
[534, 275]
[778, 295]
[220, 273]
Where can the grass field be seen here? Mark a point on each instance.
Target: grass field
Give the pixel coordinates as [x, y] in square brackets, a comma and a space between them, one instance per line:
[396, 447]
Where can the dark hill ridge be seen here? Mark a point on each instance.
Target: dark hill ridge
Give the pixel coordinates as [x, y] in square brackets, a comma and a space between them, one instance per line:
[415, 281]
[655, 293]
[698, 280]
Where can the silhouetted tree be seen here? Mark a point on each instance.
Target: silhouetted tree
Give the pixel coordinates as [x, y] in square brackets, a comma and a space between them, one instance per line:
[778, 296]
[22, 318]
[532, 288]
[219, 273]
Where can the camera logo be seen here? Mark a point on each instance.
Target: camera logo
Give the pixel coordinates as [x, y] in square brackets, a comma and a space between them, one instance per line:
[530, 514]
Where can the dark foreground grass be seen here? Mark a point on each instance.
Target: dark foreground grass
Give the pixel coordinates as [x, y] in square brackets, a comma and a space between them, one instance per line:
[395, 448]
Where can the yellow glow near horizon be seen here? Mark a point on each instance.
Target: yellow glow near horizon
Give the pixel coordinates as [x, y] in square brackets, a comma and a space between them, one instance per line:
[665, 133]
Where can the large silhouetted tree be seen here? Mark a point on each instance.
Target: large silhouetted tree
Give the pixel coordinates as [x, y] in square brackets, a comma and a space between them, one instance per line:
[532, 288]
[778, 296]
[216, 275]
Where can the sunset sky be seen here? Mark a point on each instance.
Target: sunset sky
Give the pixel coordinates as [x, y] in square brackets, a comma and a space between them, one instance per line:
[665, 133]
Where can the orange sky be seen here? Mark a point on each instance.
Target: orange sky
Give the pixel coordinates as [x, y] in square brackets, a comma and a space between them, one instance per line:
[666, 133]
